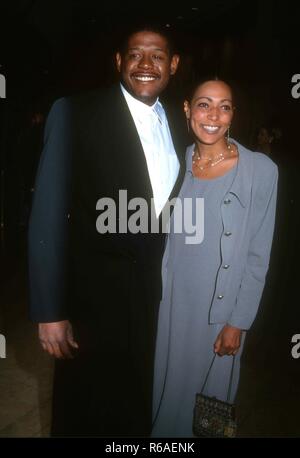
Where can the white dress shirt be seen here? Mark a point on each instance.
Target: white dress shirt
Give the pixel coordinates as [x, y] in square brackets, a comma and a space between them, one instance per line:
[162, 162]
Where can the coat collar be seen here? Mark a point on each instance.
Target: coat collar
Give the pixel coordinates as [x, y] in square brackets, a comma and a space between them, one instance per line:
[116, 125]
[241, 184]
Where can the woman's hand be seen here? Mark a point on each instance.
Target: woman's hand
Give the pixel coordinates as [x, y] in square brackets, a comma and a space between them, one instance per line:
[228, 341]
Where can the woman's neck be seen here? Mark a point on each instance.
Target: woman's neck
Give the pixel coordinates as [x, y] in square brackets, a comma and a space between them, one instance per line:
[210, 151]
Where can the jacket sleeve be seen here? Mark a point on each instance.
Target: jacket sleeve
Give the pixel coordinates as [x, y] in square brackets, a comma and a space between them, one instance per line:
[47, 236]
[257, 265]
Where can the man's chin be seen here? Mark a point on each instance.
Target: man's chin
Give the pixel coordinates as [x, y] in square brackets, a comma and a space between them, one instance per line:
[145, 97]
[144, 93]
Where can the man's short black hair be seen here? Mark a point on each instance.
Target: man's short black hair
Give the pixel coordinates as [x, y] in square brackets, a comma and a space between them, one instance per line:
[158, 28]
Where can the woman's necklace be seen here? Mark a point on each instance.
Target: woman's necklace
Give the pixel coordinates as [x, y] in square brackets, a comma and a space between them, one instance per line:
[211, 163]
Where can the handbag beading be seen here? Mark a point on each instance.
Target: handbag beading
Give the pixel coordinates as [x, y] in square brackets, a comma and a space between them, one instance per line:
[213, 417]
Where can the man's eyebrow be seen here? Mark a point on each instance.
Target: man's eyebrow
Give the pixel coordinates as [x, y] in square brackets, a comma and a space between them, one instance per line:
[138, 48]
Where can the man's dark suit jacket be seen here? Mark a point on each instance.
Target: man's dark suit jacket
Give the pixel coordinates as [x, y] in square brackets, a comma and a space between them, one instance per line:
[108, 286]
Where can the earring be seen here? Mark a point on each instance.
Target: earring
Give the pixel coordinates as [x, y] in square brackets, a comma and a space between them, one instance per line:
[228, 136]
[186, 109]
[188, 124]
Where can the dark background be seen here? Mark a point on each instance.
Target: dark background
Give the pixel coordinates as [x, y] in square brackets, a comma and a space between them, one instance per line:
[52, 48]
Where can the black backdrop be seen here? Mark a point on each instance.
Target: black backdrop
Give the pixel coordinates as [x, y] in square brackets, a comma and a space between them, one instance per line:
[53, 48]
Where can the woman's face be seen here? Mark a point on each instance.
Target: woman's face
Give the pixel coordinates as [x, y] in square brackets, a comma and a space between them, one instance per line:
[210, 111]
[263, 136]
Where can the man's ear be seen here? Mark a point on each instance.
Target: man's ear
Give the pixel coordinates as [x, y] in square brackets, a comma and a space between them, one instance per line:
[118, 61]
[174, 63]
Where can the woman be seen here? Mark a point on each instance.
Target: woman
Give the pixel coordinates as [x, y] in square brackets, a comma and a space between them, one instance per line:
[212, 289]
[265, 138]
[269, 141]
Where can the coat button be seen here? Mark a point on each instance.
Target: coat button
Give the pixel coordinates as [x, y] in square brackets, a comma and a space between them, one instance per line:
[226, 266]
[228, 234]
[220, 297]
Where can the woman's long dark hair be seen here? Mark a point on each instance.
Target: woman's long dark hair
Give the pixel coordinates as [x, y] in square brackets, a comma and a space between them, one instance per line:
[194, 86]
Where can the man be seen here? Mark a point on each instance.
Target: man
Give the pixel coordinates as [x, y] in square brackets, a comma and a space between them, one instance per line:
[100, 324]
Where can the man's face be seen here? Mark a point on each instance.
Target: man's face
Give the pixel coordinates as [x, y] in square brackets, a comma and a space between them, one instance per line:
[146, 66]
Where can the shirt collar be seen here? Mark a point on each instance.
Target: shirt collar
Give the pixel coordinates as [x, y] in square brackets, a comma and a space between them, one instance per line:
[139, 108]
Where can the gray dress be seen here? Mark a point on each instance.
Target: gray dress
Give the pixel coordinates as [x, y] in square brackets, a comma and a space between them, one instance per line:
[184, 348]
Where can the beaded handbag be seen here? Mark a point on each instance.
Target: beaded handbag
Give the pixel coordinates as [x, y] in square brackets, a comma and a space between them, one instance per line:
[213, 417]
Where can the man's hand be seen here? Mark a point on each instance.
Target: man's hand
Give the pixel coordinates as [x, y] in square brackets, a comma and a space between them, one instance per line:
[57, 339]
[228, 341]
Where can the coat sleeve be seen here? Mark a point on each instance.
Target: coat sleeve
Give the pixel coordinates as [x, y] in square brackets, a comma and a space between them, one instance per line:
[253, 280]
[47, 235]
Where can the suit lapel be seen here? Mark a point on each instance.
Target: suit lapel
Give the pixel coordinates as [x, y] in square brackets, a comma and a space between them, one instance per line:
[124, 149]
[115, 151]
[177, 128]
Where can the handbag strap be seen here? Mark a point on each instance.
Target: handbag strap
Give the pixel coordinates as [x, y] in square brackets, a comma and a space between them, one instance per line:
[230, 381]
